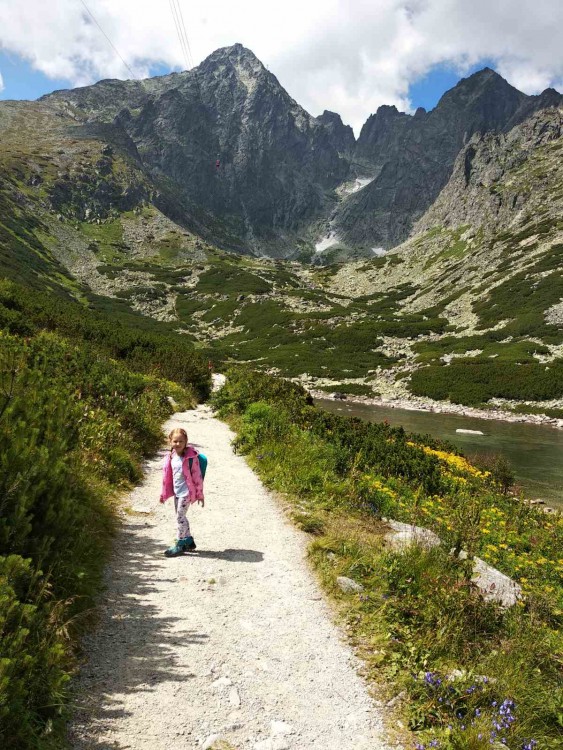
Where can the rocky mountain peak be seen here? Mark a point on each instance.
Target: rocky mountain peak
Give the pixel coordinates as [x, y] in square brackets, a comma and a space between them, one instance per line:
[484, 86]
[342, 136]
[235, 158]
[235, 58]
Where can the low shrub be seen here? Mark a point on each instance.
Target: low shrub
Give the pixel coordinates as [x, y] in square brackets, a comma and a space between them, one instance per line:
[473, 382]
[152, 352]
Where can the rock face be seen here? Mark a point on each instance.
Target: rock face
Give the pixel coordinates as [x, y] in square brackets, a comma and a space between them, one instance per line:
[342, 136]
[224, 151]
[239, 157]
[412, 157]
[491, 184]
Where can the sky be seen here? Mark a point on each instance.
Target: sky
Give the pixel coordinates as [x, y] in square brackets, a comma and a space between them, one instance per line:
[348, 56]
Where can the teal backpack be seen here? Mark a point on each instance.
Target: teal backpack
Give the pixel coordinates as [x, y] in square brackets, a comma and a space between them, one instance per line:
[202, 464]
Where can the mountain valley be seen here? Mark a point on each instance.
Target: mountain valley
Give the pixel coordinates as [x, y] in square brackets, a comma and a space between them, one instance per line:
[439, 237]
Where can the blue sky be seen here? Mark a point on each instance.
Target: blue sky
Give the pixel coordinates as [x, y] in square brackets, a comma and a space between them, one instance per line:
[426, 91]
[21, 81]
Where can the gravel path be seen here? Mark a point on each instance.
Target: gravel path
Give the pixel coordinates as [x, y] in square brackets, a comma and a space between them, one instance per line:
[232, 642]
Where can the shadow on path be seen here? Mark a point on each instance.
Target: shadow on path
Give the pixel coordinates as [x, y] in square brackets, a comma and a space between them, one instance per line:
[134, 647]
[232, 555]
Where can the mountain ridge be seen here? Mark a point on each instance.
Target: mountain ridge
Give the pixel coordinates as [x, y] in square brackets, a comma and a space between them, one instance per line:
[474, 289]
[279, 165]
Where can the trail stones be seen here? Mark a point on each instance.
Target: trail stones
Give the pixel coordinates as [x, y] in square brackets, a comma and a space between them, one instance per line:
[404, 534]
[221, 682]
[210, 741]
[272, 743]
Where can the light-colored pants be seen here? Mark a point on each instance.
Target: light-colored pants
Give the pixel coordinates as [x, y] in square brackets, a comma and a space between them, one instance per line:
[181, 504]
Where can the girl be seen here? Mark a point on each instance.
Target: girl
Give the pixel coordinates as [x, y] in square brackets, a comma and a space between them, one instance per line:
[182, 477]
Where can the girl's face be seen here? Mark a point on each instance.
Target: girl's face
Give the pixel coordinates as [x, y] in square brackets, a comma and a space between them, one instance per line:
[178, 442]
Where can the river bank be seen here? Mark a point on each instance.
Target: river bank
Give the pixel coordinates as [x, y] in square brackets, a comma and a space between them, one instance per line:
[443, 407]
[533, 451]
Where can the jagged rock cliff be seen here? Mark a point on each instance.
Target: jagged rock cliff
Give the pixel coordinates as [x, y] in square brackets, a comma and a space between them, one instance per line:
[494, 184]
[412, 157]
[240, 156]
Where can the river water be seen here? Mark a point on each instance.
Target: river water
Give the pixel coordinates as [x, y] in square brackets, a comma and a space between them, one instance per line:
[535, 452]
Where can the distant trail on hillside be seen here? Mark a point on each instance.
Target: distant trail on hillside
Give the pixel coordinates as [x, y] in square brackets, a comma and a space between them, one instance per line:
[232, 642]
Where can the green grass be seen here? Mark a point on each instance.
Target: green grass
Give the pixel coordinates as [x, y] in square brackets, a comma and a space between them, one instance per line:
[229, 280]
[524, 298]
[513, 352]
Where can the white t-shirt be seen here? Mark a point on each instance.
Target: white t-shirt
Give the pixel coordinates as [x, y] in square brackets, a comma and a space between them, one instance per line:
[181, 488]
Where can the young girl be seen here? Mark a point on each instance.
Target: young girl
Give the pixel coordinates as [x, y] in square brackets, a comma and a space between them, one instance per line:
[182, 478]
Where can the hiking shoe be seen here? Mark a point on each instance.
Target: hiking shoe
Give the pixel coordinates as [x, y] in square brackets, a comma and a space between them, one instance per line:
[176, 549]
[188, 543]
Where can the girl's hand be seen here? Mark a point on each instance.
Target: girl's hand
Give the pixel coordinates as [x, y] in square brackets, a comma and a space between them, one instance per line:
[161, 500]
[201, 502]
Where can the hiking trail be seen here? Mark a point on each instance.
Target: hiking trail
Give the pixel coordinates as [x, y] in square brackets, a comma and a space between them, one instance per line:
[233, 642]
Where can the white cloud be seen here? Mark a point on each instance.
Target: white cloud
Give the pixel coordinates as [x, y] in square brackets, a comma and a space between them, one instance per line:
[1, 82]
[349, 56]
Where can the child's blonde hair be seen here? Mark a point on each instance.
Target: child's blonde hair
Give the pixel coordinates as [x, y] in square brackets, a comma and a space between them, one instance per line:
[178, 431]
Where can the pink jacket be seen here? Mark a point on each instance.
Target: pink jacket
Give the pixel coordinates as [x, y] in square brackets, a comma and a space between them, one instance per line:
[193, 477]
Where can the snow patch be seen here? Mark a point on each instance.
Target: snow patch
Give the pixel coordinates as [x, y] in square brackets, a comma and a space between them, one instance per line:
[379, 252]
[348, 188]
[328, 241]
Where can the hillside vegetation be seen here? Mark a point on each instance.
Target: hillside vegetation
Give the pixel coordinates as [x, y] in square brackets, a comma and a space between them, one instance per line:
[82, 400]
[467, 310]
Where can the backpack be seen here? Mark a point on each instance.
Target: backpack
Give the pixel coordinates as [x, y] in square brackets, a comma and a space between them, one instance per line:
[202, 464]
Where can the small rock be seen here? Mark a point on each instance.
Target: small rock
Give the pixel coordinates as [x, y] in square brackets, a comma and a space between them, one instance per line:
[279, 728]
[348, 585]
[233, 726]
[456, 674]
[396, 699]
[221, 682]
[234, 697]
[272, 743]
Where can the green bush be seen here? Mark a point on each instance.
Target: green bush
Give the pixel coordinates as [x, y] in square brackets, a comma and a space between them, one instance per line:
[473, 382]
[74, 426]
[165, 355]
